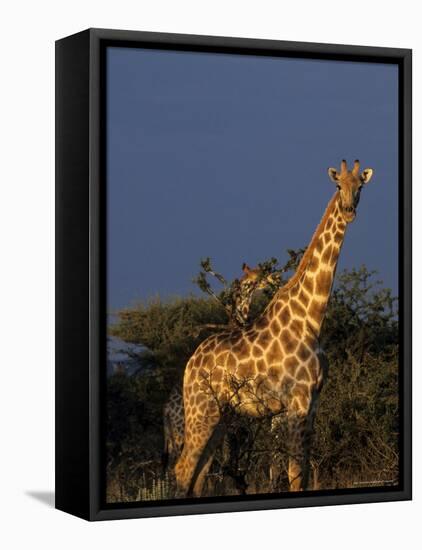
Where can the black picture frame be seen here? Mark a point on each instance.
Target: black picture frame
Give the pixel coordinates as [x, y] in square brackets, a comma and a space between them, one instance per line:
[80, 270]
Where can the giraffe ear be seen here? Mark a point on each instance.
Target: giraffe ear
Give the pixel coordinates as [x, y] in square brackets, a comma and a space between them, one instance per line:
[366, 175]
[333, 174]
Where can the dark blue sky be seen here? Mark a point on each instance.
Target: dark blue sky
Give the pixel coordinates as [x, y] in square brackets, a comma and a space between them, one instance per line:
[226, 156]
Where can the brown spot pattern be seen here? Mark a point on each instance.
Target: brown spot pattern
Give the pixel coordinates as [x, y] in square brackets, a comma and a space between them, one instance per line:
[297, 309]
[323, 282]
[262, 323]
[294, 290]
[217, 375]
[231, 362]
[274, 374]
[296, 326]
[316, 310]
[334, 256]
[241, 348]
[308, 285]
[291, 363]
[313, 264]
[221, 346]
[264, 338]
[303, 352]
[221, 358]
[304, 298]
[274, 354]
[275, 328]
[338, 237]
[319, 245]
[261, 365]
[302, 374]
[327, 254]
[256, 351]
[285, 316]
[289, 341]
[301, 393]
[313, 368]
[246, 369]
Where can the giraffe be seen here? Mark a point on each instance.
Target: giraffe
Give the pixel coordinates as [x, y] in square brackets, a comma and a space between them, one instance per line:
[275, 364]
[253, 279]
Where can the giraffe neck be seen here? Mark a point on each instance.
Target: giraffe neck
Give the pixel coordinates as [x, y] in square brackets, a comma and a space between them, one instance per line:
[242, 301]
[303, 301]
[242, 307]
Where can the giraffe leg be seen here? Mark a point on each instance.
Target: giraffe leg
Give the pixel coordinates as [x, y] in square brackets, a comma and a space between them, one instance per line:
[198, 449]
[300, 426]
[298, 470]
[204, 463]
[167, 450]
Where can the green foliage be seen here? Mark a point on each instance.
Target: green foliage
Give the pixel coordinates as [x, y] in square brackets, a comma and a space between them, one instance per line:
[357, 422]
[168, 330]
[361, 315]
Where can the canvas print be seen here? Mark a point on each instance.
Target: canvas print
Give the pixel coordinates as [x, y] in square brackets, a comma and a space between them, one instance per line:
[252, 276]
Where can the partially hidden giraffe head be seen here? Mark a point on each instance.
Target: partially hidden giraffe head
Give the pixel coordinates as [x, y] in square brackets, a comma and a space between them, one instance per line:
[349, 184]
[254, 278]
[244, 288]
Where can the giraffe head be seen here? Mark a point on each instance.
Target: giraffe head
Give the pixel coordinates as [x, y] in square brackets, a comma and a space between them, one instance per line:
[244, 288]
[254, 278]
[349, 184]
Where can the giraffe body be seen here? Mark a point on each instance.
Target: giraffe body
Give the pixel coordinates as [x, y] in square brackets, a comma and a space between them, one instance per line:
[275, 365]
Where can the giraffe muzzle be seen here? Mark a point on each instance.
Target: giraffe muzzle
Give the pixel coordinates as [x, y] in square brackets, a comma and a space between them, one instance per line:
[349, 213]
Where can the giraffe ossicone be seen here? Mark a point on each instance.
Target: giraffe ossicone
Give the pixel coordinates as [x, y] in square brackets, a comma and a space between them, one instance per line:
[275, 364]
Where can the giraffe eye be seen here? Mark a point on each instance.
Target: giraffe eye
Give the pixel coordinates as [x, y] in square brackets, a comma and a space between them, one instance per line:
[338, 187]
